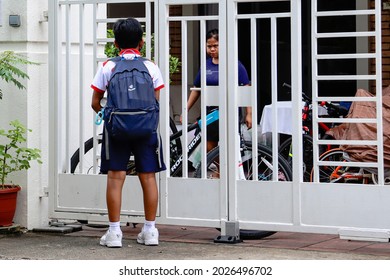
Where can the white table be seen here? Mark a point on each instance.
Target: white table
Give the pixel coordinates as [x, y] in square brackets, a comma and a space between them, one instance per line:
[285, 120]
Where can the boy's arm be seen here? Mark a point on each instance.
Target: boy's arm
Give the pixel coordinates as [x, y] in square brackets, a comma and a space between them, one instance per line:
[96, 97]
[157, 94]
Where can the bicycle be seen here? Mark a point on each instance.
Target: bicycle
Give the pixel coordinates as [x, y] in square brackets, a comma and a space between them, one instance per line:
[333, 173]
[285, 148]
[264, 167]
[330, 171]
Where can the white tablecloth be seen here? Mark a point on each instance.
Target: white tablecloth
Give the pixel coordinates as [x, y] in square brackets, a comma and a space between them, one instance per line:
[285, 121]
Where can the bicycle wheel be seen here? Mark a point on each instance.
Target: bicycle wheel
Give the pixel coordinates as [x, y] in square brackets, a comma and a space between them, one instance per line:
[265, 174]
[340, 174]
[324, 148]
[285, 150]
[264, 167]
[175, 144]
[88, 161]
[88, 154]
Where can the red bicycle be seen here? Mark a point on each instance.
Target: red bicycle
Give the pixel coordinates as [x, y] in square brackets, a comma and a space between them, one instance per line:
[285, 148]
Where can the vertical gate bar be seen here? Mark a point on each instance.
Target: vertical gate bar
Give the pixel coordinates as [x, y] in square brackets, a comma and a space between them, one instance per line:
[203, 97]
[184, 110]
[232, 117]
[148, 31]
[378, 72]
[254, 86]
[67, 85]
[223, 93]
[163, 47]
[81, 84]
[314, 85]
[94, 57]
[274, 90]
[54, 112]
[296, 89]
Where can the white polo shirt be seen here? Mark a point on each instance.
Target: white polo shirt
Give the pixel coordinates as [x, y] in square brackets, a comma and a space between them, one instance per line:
[103, 75]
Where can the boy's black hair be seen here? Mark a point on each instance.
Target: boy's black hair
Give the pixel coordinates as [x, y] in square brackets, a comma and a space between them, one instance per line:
[212, 34]
[128, 33]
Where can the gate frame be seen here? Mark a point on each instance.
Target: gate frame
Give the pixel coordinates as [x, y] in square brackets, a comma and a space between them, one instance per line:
[302, 194]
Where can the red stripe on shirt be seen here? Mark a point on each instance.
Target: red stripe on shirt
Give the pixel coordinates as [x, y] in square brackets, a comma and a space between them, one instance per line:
[97, 89]
[160, 87]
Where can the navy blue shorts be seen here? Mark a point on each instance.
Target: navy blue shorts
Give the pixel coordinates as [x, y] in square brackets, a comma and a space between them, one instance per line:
[148, 155]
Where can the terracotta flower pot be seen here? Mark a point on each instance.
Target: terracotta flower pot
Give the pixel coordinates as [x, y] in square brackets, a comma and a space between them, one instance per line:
[8, 205]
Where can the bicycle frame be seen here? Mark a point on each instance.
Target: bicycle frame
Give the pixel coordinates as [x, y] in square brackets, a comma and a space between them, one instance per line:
[177, 165]
[210, 118]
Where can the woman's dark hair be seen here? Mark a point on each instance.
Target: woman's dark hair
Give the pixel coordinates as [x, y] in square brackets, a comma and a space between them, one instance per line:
[128, 33]
[212, 34]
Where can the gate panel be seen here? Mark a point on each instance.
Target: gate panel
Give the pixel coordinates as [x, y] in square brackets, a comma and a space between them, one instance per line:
[78, 41]
[192, 201]
[255, 203]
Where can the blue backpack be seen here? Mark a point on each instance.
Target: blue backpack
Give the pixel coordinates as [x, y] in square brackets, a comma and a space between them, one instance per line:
[132, 110]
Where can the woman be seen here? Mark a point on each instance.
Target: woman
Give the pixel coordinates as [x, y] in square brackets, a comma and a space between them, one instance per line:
[212, 79]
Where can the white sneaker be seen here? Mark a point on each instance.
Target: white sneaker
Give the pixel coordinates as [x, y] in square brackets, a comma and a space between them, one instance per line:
[111, 239]
[149, 238]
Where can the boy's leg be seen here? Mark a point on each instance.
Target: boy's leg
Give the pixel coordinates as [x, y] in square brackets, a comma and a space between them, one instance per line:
[115, 181]
[150, 194]
[149, 234]
[113, 236]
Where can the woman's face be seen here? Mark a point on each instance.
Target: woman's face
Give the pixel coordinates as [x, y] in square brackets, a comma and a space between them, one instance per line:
[212, 47]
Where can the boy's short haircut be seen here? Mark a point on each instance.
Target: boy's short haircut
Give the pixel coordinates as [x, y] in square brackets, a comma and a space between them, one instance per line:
[128, 33]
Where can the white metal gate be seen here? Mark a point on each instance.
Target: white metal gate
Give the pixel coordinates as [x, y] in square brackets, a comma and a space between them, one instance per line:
[78, 37]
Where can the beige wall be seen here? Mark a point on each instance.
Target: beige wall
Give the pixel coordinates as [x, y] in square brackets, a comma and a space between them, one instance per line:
[30, 106]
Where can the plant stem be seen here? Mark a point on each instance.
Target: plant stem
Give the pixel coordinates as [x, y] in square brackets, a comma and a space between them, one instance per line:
[4, 166]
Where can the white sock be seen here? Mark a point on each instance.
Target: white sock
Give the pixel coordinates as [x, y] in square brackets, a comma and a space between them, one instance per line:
[115, 227]
[149, 225]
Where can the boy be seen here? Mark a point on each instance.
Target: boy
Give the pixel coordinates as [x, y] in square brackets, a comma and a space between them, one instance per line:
[128, 38]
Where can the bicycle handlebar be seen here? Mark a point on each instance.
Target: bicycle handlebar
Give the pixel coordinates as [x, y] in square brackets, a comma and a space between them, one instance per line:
[210, 118]
[304, 96]
[335, 110]
[180, 132]
[332, 109]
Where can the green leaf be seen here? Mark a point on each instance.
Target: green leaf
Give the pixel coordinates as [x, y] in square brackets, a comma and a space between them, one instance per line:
[10, 71]
[14, 156]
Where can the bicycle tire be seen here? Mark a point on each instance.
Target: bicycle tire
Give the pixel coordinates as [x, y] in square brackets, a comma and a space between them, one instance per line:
[88, 146]
[326, 171]
[247, 234]
[264, 157]
[324, 148]
[307, 143]
[75, 159]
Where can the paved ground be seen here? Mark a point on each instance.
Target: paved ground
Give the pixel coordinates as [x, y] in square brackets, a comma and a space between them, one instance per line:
[187, 243]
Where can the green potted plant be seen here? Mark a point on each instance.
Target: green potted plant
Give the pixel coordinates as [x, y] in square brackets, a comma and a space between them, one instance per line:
[14, 156]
